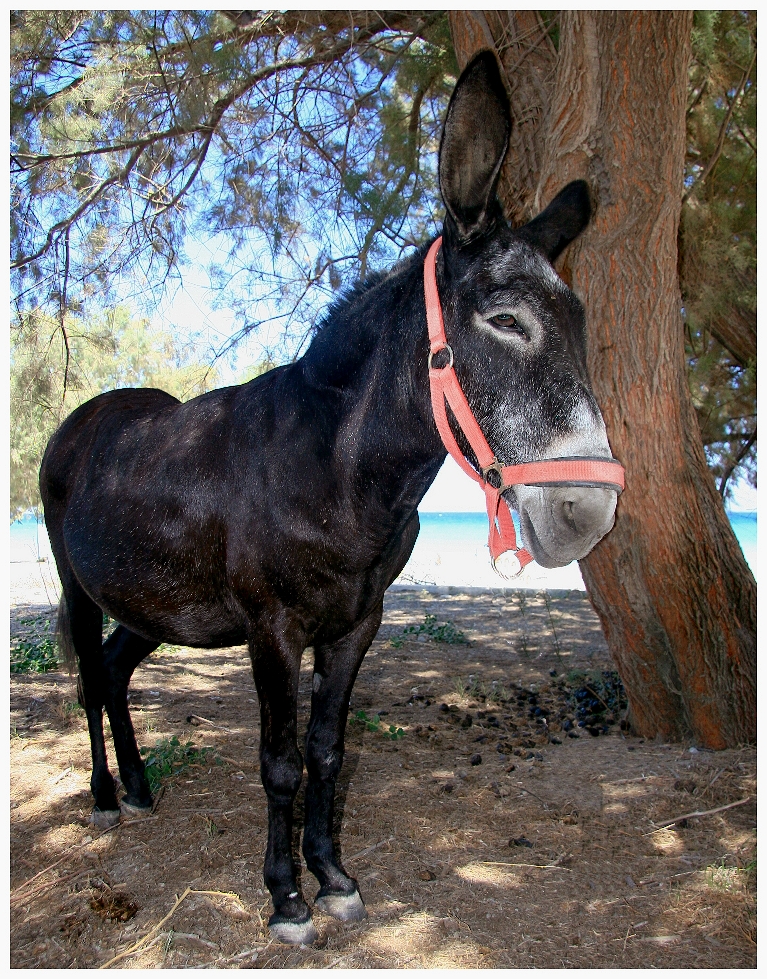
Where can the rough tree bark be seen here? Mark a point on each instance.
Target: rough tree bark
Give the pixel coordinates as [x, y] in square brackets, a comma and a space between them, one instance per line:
[675, 596]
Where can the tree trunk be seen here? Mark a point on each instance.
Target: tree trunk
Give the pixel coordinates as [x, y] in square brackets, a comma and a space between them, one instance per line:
[675, 596]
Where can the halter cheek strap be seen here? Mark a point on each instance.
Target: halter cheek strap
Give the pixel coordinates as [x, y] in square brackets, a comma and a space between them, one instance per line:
[493, 476]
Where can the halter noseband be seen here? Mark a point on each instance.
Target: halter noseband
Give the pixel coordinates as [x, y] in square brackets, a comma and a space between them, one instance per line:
[493, 476]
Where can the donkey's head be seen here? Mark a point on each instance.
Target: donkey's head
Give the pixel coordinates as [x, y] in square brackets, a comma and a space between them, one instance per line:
[518, 333]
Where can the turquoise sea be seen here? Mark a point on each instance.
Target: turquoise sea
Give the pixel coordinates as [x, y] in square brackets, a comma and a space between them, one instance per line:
[451, 550]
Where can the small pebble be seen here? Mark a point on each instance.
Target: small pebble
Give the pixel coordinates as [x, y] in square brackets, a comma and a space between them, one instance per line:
[475, 759]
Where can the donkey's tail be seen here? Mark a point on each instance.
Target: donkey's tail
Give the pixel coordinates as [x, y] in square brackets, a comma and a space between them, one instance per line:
[64, 637]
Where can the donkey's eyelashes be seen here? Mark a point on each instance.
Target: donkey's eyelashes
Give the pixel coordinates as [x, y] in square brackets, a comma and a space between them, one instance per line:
[509, 324]
[520, 328]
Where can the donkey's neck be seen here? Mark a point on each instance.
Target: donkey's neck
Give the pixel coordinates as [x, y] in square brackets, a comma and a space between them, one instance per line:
[371, 357]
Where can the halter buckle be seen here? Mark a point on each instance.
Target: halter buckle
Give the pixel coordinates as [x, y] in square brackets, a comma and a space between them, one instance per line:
[494, 467]
[446, 366]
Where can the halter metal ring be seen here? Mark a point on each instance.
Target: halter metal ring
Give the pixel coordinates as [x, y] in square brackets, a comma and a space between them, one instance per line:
[509, 568]
[450, 354]
[496, 467]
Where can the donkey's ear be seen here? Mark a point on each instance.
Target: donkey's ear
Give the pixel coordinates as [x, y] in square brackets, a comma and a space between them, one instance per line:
[562, 221]
[474, 144]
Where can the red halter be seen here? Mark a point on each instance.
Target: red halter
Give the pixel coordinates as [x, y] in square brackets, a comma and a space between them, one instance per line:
[445, 387]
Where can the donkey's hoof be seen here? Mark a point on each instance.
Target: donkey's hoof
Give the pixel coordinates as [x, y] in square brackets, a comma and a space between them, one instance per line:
[293, 932]
[134, 812]
[345, 907]
[104, 818]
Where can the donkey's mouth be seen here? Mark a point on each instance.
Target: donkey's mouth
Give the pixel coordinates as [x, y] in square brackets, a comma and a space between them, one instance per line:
[562, 524]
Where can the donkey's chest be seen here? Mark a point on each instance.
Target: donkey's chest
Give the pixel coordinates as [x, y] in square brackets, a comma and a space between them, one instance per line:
[329, 584]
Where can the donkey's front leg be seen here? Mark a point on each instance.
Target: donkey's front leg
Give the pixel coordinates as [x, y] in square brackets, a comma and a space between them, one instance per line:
[276, 657]
[335, 669]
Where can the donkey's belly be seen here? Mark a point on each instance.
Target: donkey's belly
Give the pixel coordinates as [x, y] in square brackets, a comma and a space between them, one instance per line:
[208, 626]
[172, 615]
[175, 593]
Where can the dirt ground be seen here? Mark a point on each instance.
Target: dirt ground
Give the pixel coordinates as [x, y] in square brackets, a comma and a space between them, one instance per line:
[504, 842]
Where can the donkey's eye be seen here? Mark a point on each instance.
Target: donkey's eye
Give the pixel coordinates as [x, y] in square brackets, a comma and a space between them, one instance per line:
[505, 321]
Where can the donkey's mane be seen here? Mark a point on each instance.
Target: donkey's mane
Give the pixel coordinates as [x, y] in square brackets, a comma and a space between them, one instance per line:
[354, 324]
[345, 303]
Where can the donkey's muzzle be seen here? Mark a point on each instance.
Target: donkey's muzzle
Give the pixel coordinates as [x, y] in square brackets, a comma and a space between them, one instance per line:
[561, 524]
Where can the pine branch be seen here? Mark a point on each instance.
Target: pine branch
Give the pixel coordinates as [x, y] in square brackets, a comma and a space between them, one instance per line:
[140, 145]
[733, 465]
[722, 134]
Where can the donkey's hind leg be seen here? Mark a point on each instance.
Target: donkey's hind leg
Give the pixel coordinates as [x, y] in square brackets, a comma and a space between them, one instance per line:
[80, 625]
[123, 651]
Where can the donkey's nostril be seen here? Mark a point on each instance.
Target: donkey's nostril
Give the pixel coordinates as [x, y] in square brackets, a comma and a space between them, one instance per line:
[588, 511]
[561, 524]
[568, 508]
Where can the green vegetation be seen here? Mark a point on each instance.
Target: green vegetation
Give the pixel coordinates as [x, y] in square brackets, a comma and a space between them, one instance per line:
[169, 758]
[302, 148]
[376, 724]
[35, 652]
[439, 632]
[722, 877]
[71, 708]
[211, 829]
[301, 142]
[52, 372]
[718, 240]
